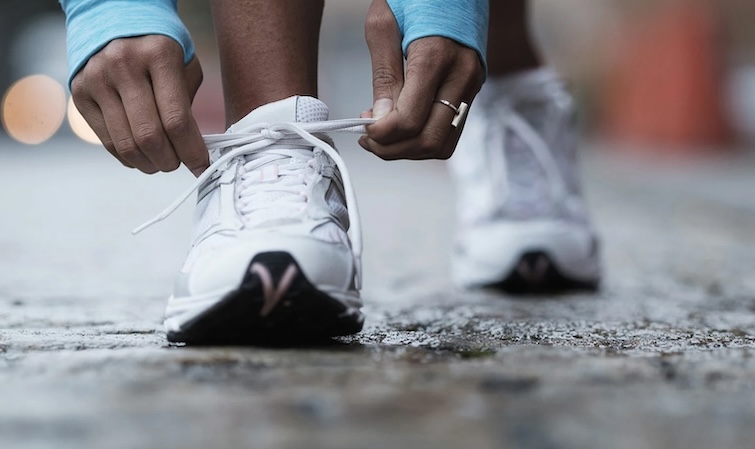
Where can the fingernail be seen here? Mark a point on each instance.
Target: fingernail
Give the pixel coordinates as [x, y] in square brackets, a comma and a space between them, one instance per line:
[382, 107]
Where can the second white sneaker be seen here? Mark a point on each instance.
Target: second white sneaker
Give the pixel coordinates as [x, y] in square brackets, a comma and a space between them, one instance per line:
[523, 223]
[271, 258]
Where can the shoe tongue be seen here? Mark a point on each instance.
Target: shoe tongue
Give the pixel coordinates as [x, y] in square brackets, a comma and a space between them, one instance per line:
[292, 109]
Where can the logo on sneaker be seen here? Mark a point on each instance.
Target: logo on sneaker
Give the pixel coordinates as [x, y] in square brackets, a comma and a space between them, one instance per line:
[272, 294]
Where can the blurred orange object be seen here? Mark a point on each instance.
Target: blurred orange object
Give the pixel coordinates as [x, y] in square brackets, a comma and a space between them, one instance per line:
[667, 86]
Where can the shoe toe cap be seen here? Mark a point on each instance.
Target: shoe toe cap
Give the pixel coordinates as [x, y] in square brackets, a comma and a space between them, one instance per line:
[326, 265]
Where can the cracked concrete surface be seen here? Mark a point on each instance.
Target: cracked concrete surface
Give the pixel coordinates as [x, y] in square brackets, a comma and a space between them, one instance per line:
[662, 356]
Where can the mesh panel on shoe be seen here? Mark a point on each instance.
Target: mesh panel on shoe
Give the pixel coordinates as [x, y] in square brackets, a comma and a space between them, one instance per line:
[310, 109]
[336, 203]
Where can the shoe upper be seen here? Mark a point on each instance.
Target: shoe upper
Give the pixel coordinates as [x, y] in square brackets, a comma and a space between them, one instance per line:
[520, 209]
[516, 159]
[272, 187]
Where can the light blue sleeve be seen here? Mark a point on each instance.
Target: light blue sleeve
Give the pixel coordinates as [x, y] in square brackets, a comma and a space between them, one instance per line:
[92, 24]
[464, 21]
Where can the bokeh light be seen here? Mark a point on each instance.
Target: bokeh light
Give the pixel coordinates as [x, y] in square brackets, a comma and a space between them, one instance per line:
[79, 126]
[33, 109]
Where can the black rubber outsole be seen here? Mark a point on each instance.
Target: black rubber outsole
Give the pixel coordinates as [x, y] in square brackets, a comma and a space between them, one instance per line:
[301, 315]
[536, 274]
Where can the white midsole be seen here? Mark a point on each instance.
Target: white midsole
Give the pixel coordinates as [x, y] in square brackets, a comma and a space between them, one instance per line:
[492, 252]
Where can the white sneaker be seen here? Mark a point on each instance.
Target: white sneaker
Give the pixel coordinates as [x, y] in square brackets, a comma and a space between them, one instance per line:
[271, 259]
[523, 223]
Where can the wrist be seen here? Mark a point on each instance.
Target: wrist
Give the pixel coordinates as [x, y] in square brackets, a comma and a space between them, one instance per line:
[92, 24]
[464, 21]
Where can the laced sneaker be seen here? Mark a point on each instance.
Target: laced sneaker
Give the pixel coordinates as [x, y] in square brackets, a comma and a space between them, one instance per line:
[271, 259]
[523, 223]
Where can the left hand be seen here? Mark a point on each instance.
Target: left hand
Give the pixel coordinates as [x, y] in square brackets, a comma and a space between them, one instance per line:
[410, 124]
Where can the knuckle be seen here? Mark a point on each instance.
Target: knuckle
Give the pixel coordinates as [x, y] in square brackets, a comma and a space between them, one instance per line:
[148, 138]
[377, 23]
[95, 67]
[79, 88]
[92, 77]
[471, 67]
[116, 52]
[161, 49]
[176, 123]
[432, 51]
[469, 58]
[383, 77]
[109, 145]
[163, 52]
[126, 148]
[131, 155]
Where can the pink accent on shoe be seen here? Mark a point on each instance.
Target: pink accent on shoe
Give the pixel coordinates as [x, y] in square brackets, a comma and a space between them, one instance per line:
[272, 294]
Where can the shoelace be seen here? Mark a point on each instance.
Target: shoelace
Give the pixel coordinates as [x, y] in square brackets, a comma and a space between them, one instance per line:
[259, 138]
[290, 179]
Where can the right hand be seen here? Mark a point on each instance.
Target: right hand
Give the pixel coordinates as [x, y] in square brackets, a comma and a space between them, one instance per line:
[411, 125]
[136, 94]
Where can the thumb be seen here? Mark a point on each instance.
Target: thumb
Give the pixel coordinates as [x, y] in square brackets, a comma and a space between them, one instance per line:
[384, 42]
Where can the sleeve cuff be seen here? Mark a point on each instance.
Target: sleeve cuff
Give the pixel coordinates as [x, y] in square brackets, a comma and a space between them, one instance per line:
[464, 21]
[92, 24]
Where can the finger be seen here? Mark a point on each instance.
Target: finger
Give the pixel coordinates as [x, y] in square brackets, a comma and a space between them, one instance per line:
[432, 143]
[174, 106]
[384, 42]
[438, 137]
[119, 130]
[425, 70]
[194, 77]
[93, 116]
[146, 127]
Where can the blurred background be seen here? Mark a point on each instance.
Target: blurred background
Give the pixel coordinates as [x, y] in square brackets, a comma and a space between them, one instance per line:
[654, 76]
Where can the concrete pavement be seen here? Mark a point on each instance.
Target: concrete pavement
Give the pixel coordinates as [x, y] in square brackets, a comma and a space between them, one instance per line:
[662, 356]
